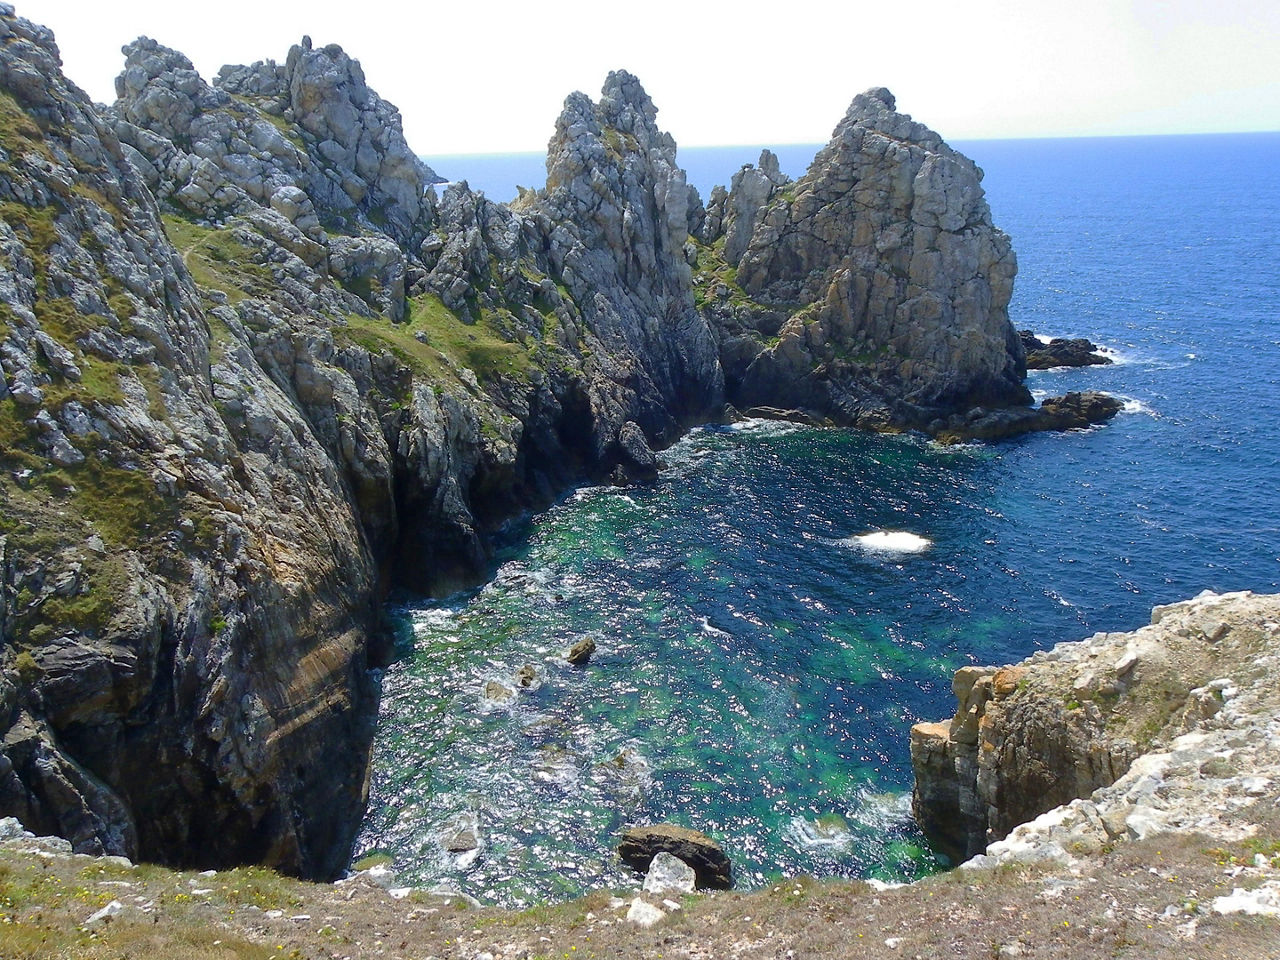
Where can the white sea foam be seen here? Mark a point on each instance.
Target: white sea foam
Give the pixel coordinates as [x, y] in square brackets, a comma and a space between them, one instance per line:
[1134, 405]
[708, 629]
[1115, 356]
[765, 426]
[829, 833]
[892, 541]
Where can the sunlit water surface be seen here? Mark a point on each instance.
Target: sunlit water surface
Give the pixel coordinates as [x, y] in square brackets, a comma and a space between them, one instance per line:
[777, 611]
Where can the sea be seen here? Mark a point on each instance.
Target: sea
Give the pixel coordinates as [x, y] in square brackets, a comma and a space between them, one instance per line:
[776, 612]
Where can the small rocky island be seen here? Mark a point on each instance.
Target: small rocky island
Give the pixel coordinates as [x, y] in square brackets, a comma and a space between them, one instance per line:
[1060, 352]
[256, 373]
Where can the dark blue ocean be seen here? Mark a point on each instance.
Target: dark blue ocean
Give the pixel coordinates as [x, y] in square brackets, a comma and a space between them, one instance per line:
[759, 665]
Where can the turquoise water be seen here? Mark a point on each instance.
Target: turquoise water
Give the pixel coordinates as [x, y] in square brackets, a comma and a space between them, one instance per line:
[758, 665]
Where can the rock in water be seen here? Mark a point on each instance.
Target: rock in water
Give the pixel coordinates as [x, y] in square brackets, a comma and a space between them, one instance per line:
[582, 651]
[640, 845]
[461, 834]
[669, 874]
[1059, 352]
[638, 463]
[873, 290]
[1068, 412]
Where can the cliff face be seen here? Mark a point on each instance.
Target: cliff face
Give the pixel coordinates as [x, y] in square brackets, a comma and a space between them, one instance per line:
[255, 372]
[1126, 734]
[873, 290]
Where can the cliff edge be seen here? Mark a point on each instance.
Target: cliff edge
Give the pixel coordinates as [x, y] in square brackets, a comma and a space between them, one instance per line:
[1174, 727]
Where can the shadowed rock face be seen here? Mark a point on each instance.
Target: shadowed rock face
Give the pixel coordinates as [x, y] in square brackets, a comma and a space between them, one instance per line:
[640, 845]
[1060, 352]
[187, 590]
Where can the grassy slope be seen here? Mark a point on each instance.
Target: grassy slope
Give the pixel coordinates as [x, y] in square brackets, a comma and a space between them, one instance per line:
[1119, 907]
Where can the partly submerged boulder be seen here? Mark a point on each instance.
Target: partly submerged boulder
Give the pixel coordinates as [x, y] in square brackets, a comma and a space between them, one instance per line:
[640, 845]
[1060, 352]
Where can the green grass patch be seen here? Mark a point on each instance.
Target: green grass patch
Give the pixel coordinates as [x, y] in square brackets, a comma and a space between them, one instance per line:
[716, 270]
[217, 260]
[478, 346]
[18, 132]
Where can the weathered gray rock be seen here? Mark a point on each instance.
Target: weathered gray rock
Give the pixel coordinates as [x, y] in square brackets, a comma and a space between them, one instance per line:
[1121, 736]
[618, 207]
[878, 277]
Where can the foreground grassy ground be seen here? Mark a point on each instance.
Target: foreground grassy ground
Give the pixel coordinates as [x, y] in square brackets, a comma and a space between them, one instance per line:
[1150, 899]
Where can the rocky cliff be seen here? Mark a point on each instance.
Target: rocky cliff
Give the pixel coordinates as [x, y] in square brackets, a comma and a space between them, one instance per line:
[1172, 727]
[874, 290]
[256, 372]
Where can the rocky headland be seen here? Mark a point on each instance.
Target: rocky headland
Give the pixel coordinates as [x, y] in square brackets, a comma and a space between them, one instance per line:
[1171, 728]
[256, 373]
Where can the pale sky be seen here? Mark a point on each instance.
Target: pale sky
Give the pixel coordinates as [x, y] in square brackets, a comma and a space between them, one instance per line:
[490, 75]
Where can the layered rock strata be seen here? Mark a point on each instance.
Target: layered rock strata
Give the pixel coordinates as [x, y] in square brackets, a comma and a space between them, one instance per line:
[1169, 727]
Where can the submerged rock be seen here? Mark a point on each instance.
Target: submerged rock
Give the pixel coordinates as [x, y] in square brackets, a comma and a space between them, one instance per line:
[711, 866]
[461, 834]
[497, 693]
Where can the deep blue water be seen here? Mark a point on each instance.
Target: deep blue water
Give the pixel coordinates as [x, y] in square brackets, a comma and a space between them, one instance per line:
[758, 667]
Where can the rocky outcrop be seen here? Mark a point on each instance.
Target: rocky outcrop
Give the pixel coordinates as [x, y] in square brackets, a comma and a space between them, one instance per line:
[1072, 411]
[1121, 735]
[301, 136]
[618, 211]
[1060, 352]
[641, 845]
[874, 290]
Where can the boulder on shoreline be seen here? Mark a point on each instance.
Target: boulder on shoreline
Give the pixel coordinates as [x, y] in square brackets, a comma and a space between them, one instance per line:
[710, 865]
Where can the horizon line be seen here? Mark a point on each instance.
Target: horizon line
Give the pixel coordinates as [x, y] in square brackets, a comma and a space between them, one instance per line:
[821, 143]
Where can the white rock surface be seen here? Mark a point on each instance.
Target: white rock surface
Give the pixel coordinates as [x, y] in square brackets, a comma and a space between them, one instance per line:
[669, 874]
